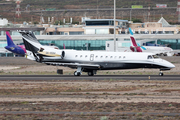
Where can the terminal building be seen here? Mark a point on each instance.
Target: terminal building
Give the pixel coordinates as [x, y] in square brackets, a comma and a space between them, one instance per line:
[94, 34]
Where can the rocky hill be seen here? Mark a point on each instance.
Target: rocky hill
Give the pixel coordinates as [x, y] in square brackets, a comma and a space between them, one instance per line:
[7, 9]
[81, 4]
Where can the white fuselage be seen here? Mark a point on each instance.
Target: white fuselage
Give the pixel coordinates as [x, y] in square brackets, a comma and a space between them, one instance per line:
[159, 50]
[111, 60]
[152, 49]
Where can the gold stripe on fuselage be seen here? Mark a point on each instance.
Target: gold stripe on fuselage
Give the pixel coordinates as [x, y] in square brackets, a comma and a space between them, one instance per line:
[51, 54]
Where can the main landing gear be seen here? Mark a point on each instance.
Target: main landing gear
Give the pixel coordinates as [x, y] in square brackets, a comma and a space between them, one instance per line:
[90, 73]
[80, 69]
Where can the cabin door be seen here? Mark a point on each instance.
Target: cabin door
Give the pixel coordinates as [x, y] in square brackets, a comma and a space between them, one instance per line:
[92, 57]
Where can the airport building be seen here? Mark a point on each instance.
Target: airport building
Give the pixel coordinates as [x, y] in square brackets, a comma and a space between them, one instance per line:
[94, 34]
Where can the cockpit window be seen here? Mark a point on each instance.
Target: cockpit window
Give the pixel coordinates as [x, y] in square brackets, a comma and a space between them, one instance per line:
[150, 57]
[155, 57]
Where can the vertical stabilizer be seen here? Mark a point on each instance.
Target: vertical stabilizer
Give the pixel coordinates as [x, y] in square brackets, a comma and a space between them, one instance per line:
[31, 44]
[30, 41]
[133, 41]
[134, 47]
[9, 39]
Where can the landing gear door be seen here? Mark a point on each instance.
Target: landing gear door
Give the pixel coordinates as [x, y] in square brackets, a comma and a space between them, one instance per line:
[92, 57]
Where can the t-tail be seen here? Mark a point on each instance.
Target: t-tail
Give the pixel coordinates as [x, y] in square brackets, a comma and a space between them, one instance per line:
[9, 39]
[134, 46]
[32, 45]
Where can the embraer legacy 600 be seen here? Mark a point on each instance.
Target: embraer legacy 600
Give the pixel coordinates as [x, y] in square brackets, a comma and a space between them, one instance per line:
[91, 61]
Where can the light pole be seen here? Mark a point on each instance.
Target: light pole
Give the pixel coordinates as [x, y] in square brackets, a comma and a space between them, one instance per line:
[97, 10]
[130, 14]
[114, 25]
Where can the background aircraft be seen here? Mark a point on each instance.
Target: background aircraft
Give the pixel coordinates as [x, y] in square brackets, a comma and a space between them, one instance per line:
[19, 50]
[91, 61]
[165, 51]
[16, 49]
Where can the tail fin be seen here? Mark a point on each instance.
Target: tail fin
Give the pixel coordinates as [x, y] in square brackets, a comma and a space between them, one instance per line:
[30, 41]
[31, 44]
[9, 39]
[133, 41]
[134, 47]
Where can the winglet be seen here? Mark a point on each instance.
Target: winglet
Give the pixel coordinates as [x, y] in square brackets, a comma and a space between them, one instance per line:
[9, 39]
[130, 31]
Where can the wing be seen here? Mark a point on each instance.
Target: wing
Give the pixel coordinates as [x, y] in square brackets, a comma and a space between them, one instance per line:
[74, 65]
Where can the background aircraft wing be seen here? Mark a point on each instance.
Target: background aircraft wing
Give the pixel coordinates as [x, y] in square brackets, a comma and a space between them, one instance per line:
[74, 65]
[175, 52]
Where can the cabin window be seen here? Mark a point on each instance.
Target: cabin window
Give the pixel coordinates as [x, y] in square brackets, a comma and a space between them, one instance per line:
[111, 56]
[124, 57]
[81, 56]
[106, 56]
[101, 56]
[86, 56]
[96, 56]
[119, 56]
[150, 57]
[76, 56]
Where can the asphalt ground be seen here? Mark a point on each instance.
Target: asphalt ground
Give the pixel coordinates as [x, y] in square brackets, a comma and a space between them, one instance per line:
[85, 77]
[87, 113]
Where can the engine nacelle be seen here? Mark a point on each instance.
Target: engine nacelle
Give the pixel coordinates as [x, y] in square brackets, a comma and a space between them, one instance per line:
[63, 54]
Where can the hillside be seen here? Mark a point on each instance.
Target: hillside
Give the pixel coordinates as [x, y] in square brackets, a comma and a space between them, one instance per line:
[8, 10]
[77, 4]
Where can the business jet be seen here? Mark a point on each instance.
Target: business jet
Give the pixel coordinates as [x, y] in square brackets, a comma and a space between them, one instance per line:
[165, 51]
[16, 49]
[91, 61]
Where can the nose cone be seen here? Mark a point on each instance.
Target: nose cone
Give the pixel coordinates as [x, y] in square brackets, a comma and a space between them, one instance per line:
[169, 65]
[172, 66]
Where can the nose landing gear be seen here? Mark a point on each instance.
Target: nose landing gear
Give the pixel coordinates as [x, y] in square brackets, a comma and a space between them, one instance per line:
[161, 73]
